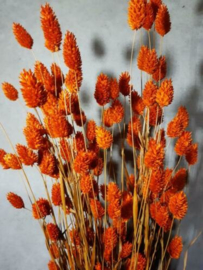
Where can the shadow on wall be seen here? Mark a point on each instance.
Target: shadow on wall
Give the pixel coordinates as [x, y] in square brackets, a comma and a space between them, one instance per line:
[199, 8]
[98, 47]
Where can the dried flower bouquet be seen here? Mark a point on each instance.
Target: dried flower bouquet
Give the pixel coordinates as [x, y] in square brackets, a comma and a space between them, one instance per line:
[91, 218]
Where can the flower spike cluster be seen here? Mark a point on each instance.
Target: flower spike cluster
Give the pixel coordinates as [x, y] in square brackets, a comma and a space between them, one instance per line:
[22, 36]
[111, 199]
[51, 28]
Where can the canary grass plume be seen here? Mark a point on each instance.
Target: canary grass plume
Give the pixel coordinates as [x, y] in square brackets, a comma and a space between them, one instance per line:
[93, 214]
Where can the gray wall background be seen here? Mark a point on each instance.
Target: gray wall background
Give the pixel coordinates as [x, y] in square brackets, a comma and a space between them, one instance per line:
[104, 40]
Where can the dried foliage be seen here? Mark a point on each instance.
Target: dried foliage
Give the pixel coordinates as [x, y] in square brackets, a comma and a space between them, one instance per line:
[94, 215]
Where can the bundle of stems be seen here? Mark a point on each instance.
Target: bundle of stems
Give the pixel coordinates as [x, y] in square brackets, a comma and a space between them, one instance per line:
[96, 216]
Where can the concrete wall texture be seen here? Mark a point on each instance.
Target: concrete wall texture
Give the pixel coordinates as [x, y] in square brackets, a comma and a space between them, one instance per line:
[104, 39]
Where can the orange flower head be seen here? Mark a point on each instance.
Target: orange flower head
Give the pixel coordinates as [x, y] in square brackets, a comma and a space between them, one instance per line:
[114, 88]
[141, 262]
[155, 115]
[33, 122]
[51, 28]
[58, 75]
[43, 76]
[154, 209]
[108, 117]
[2, 161]
[99, 168]
[26, 155]
[97, 209]
[113, 193]
[71, 53]
[57, 126]
[156, 184]
[149, 17]
[110, 239]
[73, 80]
[54, 250]
[104, 137]
[127, 206]
[149, 93]
[32, 91]
[179, 180]
[154, 156]
[90, 130]
[192, 154]
[56, 194]
[147, 60]
[9, 91]
[102, 90]
[117, 111]
[137, 103]
[86, 183]
[162, 22]
[126, 250]
[35, 139]
[65, 150]
[50, 107]
[12, 161]
[85, 161]
[183, 143]
[124, 83]
[134, 125]
[22, 36]
[161, 70]
[178, 205]
[164, 95]
[53, 232]
[15, 200]
[53, 266]
[179, 123]
[47, 163]
[175, 247]
[41, 208]
[136, 13]
[80, 118]
[166, 195]
[183, 116]
[141, 59]
[39, 71]
[79, 142]
[114, 209]
[159, 213]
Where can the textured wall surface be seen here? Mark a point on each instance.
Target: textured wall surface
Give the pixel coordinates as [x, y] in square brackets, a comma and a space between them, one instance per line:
[105, 40]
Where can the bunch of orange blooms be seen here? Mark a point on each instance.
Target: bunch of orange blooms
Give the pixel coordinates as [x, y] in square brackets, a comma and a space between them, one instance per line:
[92, 219]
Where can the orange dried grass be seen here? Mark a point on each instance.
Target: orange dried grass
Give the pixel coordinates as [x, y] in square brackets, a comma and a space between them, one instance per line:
[22, 36]
[15, 200]
[51, 28]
